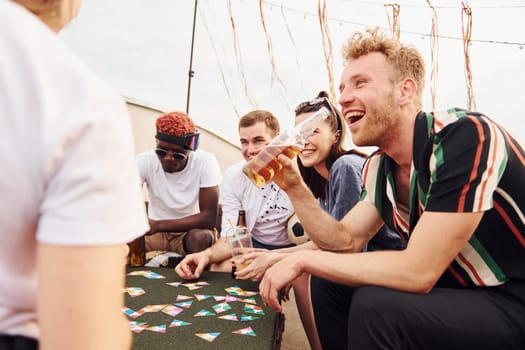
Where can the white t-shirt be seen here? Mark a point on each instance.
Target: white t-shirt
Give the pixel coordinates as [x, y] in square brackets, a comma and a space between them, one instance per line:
[68, 172]
[267, 208]
[176, 195]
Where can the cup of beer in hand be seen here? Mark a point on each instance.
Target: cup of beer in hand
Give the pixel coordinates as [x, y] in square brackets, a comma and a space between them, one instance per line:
[240, 242]
[262, 168]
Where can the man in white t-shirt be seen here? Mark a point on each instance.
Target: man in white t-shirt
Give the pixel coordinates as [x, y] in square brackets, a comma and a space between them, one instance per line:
[267, 209]
[183, 188]
[69, 187]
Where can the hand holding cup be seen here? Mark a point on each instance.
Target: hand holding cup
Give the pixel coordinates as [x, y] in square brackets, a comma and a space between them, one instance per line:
[240, 242]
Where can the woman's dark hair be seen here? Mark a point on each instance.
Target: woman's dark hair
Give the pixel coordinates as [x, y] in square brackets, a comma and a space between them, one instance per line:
[317, 183]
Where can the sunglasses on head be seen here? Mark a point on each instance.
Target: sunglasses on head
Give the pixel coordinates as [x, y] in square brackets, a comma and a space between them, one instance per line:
[176, 155]
[308, 106]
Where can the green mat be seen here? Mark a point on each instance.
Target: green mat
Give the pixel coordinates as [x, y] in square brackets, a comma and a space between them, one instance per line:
[265, 332]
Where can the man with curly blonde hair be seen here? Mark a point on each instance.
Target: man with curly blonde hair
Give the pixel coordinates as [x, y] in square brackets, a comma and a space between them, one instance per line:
[183, 188]
[450, 184]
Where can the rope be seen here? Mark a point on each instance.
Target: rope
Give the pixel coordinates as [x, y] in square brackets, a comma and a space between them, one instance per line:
[299, 70]
[434, 45]
[466, 15]
[204, 21]
[269, 46]
[238, 58]
[327, 45]
[419, 34]
[394, 24]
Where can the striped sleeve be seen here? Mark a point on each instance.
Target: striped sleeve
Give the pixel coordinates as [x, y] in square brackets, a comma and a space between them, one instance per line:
[372, 180]
[466, 164]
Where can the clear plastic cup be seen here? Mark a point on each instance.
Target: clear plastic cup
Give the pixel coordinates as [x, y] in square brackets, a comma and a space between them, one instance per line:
[240, 242]
[262, 168]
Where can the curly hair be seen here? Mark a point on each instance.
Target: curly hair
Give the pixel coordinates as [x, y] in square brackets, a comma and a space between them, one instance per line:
[405, 60]
[175, 123]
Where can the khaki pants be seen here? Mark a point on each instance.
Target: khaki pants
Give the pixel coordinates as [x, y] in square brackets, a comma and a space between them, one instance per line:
[173, 241]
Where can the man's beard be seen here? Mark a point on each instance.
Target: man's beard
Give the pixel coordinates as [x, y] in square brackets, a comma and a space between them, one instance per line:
[380, 122]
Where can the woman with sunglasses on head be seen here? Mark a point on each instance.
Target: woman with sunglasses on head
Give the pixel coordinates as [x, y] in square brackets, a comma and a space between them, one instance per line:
[332, 171]
[333, 174]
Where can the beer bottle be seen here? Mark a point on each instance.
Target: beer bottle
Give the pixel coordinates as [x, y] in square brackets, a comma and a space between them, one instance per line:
[137, 251]
[241, 222]
[241, 219]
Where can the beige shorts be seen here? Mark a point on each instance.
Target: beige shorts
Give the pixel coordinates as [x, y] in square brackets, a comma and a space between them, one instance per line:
[173, 241]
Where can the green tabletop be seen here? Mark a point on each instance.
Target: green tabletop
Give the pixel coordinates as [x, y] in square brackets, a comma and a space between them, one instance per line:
[261, 333]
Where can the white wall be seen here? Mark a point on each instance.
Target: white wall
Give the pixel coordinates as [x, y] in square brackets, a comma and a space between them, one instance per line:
[143, 121]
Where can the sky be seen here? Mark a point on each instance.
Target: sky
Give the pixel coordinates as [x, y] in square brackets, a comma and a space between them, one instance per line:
[251, 54]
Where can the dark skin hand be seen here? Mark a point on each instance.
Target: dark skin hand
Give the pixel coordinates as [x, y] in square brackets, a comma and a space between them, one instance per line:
[206, 218]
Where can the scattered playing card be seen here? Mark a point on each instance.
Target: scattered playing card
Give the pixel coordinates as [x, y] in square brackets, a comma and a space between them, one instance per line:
[153, 308]
[181, 297]
[195, 285]
[204, 313]
[253, 309]
[137, 273]
[234, 290]
[208, 336]
[146, 273]
[230, 317]
[131, 313]
[245, 331]
[172, 310]
[238, 291]
[134, 291]
[230, 298]
[178, 323]
[222, 307]
[159, 329]
[249, 300]
[248, 293]
[174, 284]
[191, 286]
[245, 318]
[137, 327]
[153, 275]
[185, 304]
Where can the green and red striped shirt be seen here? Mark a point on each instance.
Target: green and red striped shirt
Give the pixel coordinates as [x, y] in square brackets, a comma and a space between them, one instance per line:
[462, 162]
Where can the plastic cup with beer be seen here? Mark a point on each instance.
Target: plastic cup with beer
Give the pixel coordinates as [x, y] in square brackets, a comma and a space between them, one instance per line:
[240, 241]
[262, 168]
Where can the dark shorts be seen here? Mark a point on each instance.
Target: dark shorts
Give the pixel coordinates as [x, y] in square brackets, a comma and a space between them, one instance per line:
[17, 342]
[257, 244]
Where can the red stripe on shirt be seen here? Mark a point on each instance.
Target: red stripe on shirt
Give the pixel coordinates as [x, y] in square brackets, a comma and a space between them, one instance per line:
[471, 268]
[396, 226]
[457, 276]
[509, 223]
[438, 123]
[365, 172]
[513, 146]
[466, 188]
[490, 169]
[516, 151]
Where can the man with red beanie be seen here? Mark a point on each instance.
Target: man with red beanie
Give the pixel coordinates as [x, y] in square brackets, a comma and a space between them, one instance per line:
[183, 187]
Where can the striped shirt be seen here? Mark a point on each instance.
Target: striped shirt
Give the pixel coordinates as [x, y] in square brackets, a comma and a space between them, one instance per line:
[462, 162]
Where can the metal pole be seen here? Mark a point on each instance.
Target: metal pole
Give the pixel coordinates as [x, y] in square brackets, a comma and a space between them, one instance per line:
[191, 72]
